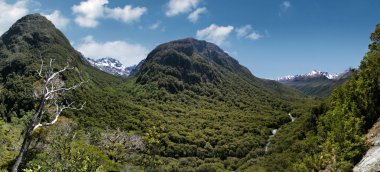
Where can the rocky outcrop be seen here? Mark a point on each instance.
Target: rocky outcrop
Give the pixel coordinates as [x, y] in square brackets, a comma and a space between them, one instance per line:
[371, 161]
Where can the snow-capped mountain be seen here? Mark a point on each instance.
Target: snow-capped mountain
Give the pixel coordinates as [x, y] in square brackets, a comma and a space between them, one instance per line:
[316, 83]
[111, 66]
[312, 74]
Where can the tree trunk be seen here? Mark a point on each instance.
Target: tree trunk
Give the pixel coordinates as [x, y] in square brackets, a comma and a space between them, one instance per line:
[48, 91]
[23, 150]
[28, 135]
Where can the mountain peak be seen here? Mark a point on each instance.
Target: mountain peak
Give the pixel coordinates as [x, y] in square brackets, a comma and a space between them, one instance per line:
[111, 66]
[314, 72]
[186, 62]
[200, 49]
[31, 23]
[32, 30]
[312, 75]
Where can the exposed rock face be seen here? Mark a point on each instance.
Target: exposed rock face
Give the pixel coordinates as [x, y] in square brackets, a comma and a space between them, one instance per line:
[371, 161]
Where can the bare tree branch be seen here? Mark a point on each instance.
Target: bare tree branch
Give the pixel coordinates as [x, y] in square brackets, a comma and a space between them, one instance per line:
[42, 65]
[53, 75]
[52, 88]
[59, 109]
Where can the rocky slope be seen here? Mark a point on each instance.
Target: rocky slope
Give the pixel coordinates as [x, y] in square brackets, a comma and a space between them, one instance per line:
[371, 160]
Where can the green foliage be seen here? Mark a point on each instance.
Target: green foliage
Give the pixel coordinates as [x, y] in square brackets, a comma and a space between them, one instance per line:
[375, 38]
[215, 116]
[9, 141]
[62, 148]
[331, 135]
[196, 110]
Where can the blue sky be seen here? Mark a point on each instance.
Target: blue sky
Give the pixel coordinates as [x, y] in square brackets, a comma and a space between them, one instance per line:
[271, 37]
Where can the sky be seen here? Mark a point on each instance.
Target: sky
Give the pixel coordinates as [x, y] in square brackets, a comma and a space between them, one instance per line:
[272, 38]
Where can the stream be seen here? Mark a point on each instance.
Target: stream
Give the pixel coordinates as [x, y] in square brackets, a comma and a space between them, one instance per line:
[274, 131]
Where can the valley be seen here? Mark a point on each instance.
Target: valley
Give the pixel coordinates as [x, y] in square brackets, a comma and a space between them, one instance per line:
[188, 106]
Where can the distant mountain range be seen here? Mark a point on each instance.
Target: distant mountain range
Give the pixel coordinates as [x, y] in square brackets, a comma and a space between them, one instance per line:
[316, 83]
[310, 75]
[111, 66]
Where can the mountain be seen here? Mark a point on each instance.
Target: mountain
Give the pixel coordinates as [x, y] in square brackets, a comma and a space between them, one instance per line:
[200, 66]
[336, 133]
[316, 83]
[112, 66]
[188, 101]
[187, 62]
[29, 41]
[188, 107]
[310, 75]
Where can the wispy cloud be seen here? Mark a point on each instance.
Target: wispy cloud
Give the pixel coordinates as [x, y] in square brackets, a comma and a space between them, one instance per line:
[193, 16]
[214, 33]
[284, 7]
[254, 36]
[58, 19]
[155, 26]
[10, 13]
[88, 12]
[243, 31]
[127, 53]
[247, 32]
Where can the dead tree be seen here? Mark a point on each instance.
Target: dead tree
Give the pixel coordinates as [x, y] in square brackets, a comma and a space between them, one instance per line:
[52, 89]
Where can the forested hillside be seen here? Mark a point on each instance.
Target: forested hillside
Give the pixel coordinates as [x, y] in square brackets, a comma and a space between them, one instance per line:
[189, 106]
[332, 135]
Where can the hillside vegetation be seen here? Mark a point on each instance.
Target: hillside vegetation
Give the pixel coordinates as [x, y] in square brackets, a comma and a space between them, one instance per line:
[332, 136]
[188, 107]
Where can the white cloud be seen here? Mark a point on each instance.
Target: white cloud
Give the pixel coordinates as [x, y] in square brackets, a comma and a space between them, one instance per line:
[10, 13]
[88, 12]
[58, 20]
[193, 17]
[243, 31]
[127, 14]
[176, 7]
[254, 36]
[214, 33]
[127, 53]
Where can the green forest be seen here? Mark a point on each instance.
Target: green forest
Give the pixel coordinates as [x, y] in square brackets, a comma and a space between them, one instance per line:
[188, 107]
